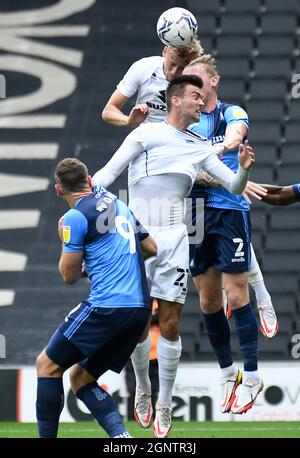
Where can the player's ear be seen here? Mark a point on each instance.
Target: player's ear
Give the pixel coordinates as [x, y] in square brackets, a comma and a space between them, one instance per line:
[164, 51]
[58, 189]
[90, 181]
[215, 80]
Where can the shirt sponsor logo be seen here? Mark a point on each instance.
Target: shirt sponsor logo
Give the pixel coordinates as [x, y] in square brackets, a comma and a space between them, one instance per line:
[238, 260]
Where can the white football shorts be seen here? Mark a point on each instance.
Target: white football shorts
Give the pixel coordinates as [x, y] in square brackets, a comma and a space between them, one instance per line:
[167, 272]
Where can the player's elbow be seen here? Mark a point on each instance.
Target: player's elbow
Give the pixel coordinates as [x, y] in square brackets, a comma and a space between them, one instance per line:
[149, 247]
[103, 114]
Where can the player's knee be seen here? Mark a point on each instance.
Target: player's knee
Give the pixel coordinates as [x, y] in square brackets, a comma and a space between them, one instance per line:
[210, 304]
[237, 297]
[46, 367]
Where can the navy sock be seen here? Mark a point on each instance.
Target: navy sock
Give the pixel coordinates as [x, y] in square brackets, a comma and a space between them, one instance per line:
[247, 331]
[49, 404]
[102, 407]
[218, 332]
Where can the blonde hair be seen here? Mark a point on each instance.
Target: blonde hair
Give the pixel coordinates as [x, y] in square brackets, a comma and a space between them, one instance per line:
[209, 61]
[191, 52]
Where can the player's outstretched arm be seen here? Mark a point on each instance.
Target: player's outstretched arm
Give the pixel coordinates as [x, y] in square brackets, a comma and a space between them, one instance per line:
[281, 195]
[254, 190]
[233, 182]
[129, 149]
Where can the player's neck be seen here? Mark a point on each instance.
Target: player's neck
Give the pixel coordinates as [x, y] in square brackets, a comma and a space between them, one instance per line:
[211, 104]
[71, 199]
[177, 122]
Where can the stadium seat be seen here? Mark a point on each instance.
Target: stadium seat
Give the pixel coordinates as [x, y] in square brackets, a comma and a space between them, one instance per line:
[264, 132]
[289, 153]
[284, 217]
[233, 6]
[198, 8]
[287, 239]
[277, 348]
[273, 67]
[285, 302]
[281, 282]
[280, 6]
[258, 218]
[292, 133]
[238, 24]
[234, 67]
[232, 90]
[266, 88]
[293, 109]
[265, 153]
[276, 46]
[226, 46]
[262, 110]
[288, 174]
[270, 24]
[279, 260]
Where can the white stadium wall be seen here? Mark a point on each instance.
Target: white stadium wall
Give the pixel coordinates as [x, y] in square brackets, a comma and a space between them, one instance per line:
[196, 394]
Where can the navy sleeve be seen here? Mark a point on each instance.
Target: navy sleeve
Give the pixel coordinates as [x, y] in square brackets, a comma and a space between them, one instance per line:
[296, 189]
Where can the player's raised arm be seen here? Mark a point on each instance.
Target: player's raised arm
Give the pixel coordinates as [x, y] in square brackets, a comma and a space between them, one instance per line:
[233, 182]
[129, 149]
[281, 195]
[113, 114]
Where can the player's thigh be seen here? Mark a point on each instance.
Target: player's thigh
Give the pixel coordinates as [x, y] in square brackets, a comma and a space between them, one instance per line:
[236, 288]
[209, 287]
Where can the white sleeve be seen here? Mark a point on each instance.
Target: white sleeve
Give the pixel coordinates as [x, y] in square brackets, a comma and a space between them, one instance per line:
[131, 80]
[129, 149]
[233, 182]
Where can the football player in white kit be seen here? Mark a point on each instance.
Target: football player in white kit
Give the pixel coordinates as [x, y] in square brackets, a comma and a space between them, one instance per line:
[164, 161]
[148, 79]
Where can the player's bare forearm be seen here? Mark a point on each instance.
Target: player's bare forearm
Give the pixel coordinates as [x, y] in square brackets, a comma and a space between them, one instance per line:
[279, 195]
[149, 247]
[234, 135]
[112, 115]
[70, 266]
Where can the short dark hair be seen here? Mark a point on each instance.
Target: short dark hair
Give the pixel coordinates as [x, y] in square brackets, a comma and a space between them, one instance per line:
[71, 174]
[177, 86]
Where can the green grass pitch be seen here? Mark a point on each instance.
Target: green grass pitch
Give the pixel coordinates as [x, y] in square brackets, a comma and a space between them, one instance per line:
[180, 430]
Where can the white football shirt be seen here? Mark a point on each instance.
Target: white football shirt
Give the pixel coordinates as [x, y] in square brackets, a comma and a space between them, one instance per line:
[160, 150]
[146, 78]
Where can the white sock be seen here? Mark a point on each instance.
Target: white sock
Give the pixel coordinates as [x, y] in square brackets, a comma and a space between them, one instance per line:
[140, 362]
[227, 372]
[257, 282]
[253, 375]
[168, 360]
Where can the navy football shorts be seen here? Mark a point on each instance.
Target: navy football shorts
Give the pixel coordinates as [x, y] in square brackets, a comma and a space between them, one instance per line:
[226, 242]
[100, 339]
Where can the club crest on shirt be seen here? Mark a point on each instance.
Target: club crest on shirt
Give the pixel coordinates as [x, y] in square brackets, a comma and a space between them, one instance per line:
[66, 234]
